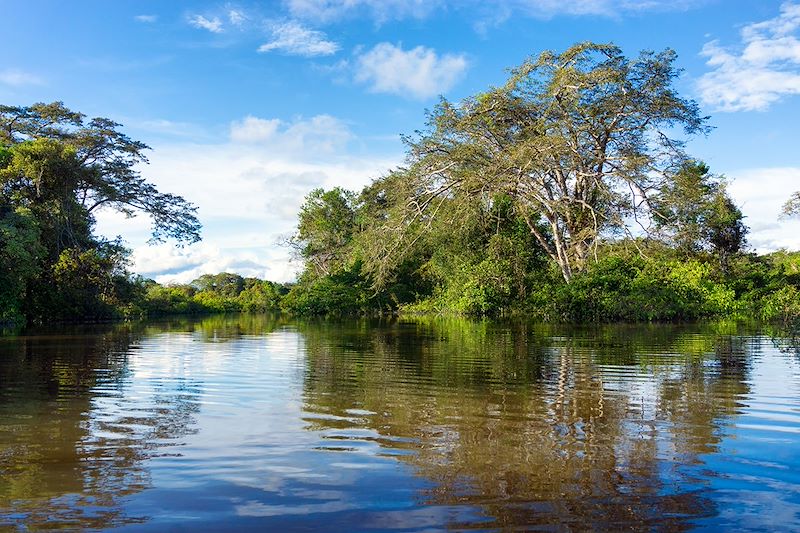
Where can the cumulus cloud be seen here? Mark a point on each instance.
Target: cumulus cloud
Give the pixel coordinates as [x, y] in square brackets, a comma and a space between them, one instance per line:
[248, 191]
[253, 129]
[419, 72]
[214, 24]
[18, 78]
[293, 38]
[319, 134]
[147, 19]
[759, 71]
[761, 192]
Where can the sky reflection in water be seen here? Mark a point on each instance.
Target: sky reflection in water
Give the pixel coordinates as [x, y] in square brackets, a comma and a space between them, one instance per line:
[256, 422]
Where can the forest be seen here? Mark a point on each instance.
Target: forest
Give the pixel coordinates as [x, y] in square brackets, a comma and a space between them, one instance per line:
[565, 194]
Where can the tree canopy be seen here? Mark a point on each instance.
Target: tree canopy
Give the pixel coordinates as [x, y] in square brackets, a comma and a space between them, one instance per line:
[57, 169]
[580, 141]
[55, 155]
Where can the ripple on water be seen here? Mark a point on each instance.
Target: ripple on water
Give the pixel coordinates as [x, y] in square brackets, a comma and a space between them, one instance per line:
[241, 423]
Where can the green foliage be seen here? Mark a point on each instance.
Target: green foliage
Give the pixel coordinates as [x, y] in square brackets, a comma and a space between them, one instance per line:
[788, 261]
[260, 296]
[325, 227]
[783, 305]
[5, 156]
[223, 284]
[340, 294]
[170, 300]
[695, 214]
[211, 293]
[483, 266]
[56, 170]
[91, 284]
[617, 288]
[20, 252]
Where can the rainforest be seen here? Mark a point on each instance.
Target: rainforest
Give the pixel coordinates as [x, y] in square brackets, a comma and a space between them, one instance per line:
[563, 195]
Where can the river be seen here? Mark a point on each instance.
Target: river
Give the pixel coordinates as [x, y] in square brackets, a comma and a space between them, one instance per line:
[265, 423]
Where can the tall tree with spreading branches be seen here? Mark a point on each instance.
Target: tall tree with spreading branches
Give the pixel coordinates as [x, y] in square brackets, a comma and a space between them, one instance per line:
[79, 166]
[581, 141]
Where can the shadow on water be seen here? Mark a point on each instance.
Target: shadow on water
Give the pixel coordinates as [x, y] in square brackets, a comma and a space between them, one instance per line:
[536, 425]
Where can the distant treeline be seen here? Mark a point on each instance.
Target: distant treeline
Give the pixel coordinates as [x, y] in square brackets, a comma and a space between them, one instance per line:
[210, 293]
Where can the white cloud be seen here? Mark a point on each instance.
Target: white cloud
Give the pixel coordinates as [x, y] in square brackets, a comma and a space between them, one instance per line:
[418, 72]
[236, 17]
[147, 19]
[18, 78]
[253, 129]
[248, 192]
[760, 193]
[214, 25]
[764, 68]
[320, 134]
[295, 39]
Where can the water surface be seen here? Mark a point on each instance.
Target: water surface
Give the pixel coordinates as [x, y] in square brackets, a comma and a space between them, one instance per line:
[258, 423]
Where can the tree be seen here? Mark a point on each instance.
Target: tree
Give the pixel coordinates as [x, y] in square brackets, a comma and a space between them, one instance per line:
[726, 229]
[579, 140]
[20, 250]
[224, 284]
[56, 155]
[792, 206]
[57, 169]
[694, 213]
[325, 227]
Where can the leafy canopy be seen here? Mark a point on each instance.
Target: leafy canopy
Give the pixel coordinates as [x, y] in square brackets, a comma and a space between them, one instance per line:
[54, 154]
[579, 140]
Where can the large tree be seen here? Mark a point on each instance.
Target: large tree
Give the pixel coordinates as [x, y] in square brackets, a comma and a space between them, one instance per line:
[56, 156]
[580, 141]
[57, 169]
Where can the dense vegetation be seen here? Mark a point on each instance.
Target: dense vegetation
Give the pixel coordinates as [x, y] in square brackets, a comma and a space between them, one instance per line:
[211, 293]
[56, 170]
[564, 195]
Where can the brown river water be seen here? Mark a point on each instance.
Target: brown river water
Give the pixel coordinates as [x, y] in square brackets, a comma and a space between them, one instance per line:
[258, 423]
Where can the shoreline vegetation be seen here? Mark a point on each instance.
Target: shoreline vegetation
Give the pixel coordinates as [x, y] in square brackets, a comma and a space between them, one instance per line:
[564, 195]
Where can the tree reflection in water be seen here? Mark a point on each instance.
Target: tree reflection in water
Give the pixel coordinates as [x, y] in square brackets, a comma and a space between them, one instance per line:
[536, 425]
[481, 425]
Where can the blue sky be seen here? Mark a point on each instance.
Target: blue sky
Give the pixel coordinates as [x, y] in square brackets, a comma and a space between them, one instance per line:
[250, 105]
